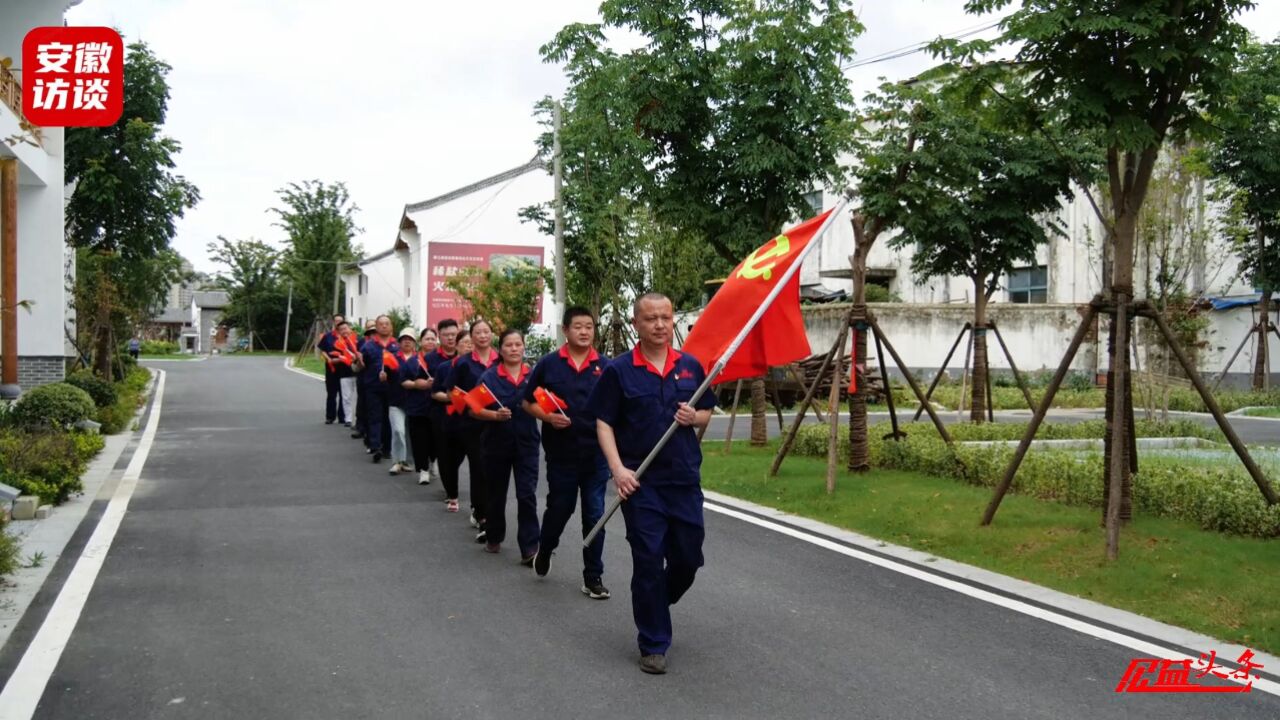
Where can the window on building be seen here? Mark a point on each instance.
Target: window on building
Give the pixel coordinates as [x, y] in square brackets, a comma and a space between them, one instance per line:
[815, 201]
[364, 284]
[1029, 284]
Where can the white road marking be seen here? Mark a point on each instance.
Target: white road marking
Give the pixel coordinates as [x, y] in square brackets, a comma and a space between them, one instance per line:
[1148, 649]
[26, 685]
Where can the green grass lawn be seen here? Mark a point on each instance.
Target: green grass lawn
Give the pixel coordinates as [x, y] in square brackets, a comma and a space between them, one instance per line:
[311, 363]
[1271, 412]
[1220, 585]
[171, 356]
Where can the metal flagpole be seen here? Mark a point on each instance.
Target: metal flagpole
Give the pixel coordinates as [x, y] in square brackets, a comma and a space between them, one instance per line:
[724, 359]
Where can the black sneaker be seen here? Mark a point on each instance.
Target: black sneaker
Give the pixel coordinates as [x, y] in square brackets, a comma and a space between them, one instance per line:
[328, 422]
[481, 537]
[542, 563]
[596, 590]
[654, 664]
[356, 435]
[377, 457]
[527, 560]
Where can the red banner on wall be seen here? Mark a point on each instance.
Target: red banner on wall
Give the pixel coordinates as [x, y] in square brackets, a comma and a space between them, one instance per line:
[446, 260]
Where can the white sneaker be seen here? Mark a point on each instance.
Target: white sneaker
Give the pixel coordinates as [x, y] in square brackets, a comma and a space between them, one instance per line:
[434, 476]
[424, 477]
[394, 470]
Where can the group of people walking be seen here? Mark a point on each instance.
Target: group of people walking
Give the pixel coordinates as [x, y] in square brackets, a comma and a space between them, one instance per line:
[430, 401]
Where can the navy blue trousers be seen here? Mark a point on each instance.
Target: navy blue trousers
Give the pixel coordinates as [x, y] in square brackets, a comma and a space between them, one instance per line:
[500, 464]
[333, 397]
[665, 531]
[377, 434]
[567, 480]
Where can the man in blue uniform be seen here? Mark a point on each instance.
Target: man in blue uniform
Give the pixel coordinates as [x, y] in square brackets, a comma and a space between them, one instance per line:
[575, 465]
[636, 399]
[327, 343]
[373, 387]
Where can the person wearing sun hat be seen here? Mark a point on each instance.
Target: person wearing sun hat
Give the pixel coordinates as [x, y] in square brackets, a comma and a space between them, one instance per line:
[396, 365]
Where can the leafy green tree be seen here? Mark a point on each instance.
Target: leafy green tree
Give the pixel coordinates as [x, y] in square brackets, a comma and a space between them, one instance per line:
[743, 108]
[983, 185]
[319, 222]
[251, 279]
[1246, 157]
[507, 297]
[127, 198]
[1136, 73]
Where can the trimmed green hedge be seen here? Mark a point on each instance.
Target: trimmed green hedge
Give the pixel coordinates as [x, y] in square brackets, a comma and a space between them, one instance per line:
[1215, 497]
[57, 406]
[46, 463]
[102, 392]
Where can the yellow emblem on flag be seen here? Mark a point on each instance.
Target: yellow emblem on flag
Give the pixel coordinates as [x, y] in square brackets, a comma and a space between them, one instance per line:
[753, 268]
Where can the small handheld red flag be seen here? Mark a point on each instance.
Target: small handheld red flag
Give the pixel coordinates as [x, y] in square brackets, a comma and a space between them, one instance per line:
[549, 401]
[779, 338]
[457, 401]
[480, 398]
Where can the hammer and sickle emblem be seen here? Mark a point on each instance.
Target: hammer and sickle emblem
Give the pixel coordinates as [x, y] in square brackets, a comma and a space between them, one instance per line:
[760, 262]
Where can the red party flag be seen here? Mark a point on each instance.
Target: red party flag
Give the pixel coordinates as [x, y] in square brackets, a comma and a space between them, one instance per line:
[779, 338]
[480, 398]
[549, 401]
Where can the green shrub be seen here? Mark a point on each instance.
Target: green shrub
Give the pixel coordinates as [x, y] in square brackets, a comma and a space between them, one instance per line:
[1220, 498]
[100, 390]
[118, 416]
[159, 347]
[57, 406]
[1188, 400]
[46, 463]
[8, 551]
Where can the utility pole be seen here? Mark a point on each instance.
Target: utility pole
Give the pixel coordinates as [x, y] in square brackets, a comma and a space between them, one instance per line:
[288, 315]
[558, 174]
[337, 273]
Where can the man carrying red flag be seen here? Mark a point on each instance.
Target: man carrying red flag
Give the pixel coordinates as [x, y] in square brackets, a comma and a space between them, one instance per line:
[635, 400]
[559, 387]
[779, 338]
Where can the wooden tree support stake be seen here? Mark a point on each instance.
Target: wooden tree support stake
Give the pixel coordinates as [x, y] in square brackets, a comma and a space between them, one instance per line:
[1017, 376]
[911, 380]
[733, 417]
[941, 370]
[790, 438]
[888, 393]
[1045, 403]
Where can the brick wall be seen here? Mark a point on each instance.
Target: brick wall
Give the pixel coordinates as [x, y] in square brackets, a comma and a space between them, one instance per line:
[33, 371]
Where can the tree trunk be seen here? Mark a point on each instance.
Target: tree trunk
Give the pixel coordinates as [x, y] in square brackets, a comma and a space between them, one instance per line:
[859, 449]
[978, 411]
[1118, 366]
[759, 410]
[1264, 321]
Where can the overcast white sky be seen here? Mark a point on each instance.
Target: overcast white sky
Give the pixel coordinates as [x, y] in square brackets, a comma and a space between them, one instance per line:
[401, 99]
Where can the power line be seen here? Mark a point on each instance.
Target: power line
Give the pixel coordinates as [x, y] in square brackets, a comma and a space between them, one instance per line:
[917, 47]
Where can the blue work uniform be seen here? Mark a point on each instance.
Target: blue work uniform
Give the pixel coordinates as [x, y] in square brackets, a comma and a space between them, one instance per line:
[575, 465]
[663, 516]
[378, 426]
[327, 343]
[465, 374]
[511, 448]
[417, 407]
[451, 443]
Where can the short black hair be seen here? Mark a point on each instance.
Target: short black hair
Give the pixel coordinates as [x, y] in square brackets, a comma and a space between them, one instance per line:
[575, 311]
[447, 322]
[344, 322]
[479, 320]
[339, 317]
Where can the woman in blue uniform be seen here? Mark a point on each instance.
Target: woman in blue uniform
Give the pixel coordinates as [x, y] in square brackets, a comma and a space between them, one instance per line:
[510, 443]
[416, 381]
[466, 373]
[453, 447]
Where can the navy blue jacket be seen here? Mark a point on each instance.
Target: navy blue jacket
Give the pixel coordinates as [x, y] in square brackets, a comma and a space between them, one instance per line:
[520, 433]
[639, 402]
[464, 376]
[556, 373]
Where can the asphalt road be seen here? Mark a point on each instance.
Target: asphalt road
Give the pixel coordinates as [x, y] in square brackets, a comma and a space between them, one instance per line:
[265, 569]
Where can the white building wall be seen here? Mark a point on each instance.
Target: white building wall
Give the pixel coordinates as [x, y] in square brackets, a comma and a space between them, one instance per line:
[383, 290]
[487, 216]
[42, 251]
